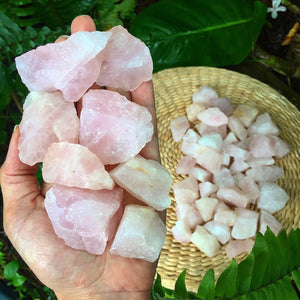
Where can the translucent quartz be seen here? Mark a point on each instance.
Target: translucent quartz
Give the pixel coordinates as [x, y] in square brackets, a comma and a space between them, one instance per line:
[47, 118]
[141, 234]
[145, 179]
[75, 166]
[84, 219]
[112, 127]
[125, 62]
[65, 65]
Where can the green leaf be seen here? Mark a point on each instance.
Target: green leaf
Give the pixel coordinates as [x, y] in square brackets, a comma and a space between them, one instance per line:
[18, 280]
[3, 137]
[10, 270]
[296, 277]
[157, 288]
[112, 13]
[39, 175]
[5, 87]
[206, 288]
[226, 284]
[180, 288]
[210, 33]
[245, 269]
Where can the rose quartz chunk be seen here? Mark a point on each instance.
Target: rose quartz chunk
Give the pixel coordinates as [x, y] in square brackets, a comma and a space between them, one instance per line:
[185, 164]
[230, 138]
[245, 225]
[205, 241]
[84, 219]
[206, 207]
[179, 126]
[65, 65]
[190, 149]
[212, 140]
[281, 148]
[265, 173]
[223, 104]
[261, 146]
[181, 232]
[47, 119]
[205, 95]
[191, 136]
[220, 230]
[189, 213]
[226, 159]
[210, 159]
[233, 195]
[204, 129]
[125, 62]
[238, 166]
[236, 152]
[245, 113]
[237, 127]
[141, 234]
[145, 179]
[207, 188]
[200, 174]
[75, 166]
[264, 125]
[224, 214]
[248, 185]
[193, 110]
[236, 247]
[272, 197]
[213, 116]
[186, 191]
[260, 161]
[267, 220]
[223, 178]
[112, 127]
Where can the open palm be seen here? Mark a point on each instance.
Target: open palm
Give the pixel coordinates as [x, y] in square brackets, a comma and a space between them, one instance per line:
[72, 274]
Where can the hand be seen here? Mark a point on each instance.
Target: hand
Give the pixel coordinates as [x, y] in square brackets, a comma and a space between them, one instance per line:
[72, 274]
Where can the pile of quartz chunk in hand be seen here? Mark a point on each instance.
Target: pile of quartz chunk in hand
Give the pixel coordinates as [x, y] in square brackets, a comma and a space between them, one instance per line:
[229, 162]
[92, 159]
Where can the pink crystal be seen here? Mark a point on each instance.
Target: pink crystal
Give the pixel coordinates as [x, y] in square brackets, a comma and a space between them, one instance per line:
[261, 146]
[220, 230]
[125, 62]
[205, 95]
[189, 214]
[233, 195]
[84, 219]
[75, 166]
[185, 164]
[181, 232]
[47, 118]
[213, 116]
[223, 104]
[141, 234]
[145, 179]
[112, 127]
[245, 113]
[268, 220]
[264, 125]
[61, 66]
[186, 191]
[179, 126]
[236, 247]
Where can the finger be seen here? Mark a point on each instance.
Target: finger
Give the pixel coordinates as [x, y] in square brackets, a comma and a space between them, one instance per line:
[144, 95]
[61, 38]
[18, 181]
[83, 23]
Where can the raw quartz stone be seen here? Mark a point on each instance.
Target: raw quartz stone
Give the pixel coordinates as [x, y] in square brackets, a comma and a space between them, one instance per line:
[220, 230]
[264, 125]
[186, 191]
[261, 146]
[245, 113]
[205, 95]
[189, 214]
[179, 126]
[181, 232]
[204, 129]
[207, 188]
[191, 136]
[141, 234]
[83, 218]
[75, 166]
[65, 65]
[233, 196]
[236, 247]
[268, 220]
[145, 179]
[46, 119]
[125, 62]
[223, 104]
[265, 173]
[206, 207]
[213, 116]
[112, 127]
[193, 110]
[185, 164]
[212, 140]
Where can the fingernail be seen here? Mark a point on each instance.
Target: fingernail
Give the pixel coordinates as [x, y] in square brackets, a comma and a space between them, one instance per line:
[65, 36]
[15, 128]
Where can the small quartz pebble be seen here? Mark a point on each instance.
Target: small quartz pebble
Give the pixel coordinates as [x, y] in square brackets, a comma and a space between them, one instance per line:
[213, 116]
[193, 110]
[233, 196]
[237, 127]
[224, 214]
[204, 129]
[83, 218]
[46, 119]
[236, 247]
[141, 234]
[75, 166]
[205, 95]
[265, 173]
[207, 188]
[186, 191]
[190, 214]
[261, 146]
[200, 174]
[220, 230]
[264, 125]
[245, 113]
[145, 179]
[272, 197]
[281, 148]
[65, 65]
[185, 164]
[181, 232]
[212, 140]
[112, 127]
[206, 207]
[191, 136]
[268, 220]
[179, 126]
[245, 225]
[209, 158]
[223, 178]
[223, 104]
[205, 241]
[125, 61]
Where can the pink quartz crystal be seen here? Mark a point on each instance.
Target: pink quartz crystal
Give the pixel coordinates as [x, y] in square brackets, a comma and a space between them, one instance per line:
[65, 65]
[179, 126]
[141, 234]
[112, 127]
[75, 166]
[145, 179]
[236, 247]
[186, 191]
[47, 118]
[84, 219]
[125, 62]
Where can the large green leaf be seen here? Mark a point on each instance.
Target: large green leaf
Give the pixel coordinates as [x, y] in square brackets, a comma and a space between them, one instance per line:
[210, 33]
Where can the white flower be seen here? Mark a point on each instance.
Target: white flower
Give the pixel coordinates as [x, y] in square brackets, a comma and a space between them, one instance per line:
[275, 8]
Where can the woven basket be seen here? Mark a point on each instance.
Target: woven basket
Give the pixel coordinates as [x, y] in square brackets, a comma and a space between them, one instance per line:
[173, 92]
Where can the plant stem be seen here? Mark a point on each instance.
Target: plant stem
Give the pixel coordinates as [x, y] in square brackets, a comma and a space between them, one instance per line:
[17, 101]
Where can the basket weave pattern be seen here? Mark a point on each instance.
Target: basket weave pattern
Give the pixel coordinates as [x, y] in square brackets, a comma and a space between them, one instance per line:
[173, 93]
